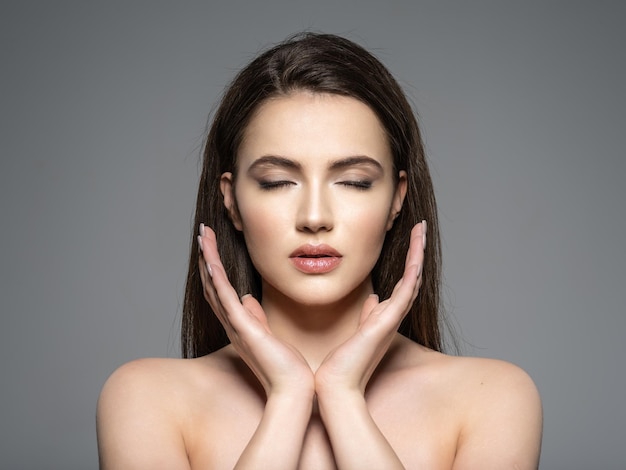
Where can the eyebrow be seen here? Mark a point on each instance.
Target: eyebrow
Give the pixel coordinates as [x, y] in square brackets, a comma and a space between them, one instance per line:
[356, 161]
[275, 160]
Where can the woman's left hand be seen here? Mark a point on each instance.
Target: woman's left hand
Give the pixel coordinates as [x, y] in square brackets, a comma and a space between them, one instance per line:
[341, 379]
[350, 366]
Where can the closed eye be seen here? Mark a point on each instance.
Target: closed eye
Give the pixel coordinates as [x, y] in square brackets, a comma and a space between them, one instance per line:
[358, 184]
[269, 185]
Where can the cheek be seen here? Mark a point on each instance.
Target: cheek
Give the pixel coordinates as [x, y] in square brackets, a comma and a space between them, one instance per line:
[373, 214]
[262, 227]
[368, 231]
[256, 215]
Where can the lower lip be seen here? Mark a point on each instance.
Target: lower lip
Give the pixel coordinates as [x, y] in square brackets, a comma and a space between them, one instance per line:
[316, 265]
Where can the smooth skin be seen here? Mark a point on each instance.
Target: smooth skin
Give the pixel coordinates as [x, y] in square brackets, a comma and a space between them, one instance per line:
[316, 376]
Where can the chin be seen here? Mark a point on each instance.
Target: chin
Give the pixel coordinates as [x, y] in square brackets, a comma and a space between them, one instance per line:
[325, 295]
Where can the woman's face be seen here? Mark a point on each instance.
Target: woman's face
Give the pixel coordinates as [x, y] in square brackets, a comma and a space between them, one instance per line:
[314, 196]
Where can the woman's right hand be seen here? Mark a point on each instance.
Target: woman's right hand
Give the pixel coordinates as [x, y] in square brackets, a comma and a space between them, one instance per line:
[284, 374]
[279, 367]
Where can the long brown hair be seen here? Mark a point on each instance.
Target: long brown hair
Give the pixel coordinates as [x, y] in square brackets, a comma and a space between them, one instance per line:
[320, 63]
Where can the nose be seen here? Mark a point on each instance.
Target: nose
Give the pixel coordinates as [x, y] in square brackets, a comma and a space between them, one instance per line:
[315, 210]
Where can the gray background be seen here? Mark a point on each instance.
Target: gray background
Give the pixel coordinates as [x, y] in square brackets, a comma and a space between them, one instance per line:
[103, 109]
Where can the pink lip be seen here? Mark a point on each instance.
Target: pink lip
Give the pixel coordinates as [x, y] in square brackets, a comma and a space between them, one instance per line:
[315, 259]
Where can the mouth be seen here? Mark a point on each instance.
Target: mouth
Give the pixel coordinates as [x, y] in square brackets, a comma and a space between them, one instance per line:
[315, 251]
[315, 259]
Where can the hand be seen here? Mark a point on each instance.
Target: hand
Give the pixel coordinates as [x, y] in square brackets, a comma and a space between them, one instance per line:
[279, 367]
[350, 366]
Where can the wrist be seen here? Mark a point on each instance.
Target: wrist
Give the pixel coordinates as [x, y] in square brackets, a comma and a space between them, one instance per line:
[300, 397]
[300, 385]
[331, 389]
[340, 401]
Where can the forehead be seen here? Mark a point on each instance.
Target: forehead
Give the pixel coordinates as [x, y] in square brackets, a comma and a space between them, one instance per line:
[314, 126]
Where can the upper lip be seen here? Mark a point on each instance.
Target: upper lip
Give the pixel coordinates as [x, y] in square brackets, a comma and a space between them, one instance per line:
[315, 251]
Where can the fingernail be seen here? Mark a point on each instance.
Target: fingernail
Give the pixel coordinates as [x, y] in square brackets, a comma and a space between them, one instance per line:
[200, 243]
[209, 270]
[424, 230]
[202, 229]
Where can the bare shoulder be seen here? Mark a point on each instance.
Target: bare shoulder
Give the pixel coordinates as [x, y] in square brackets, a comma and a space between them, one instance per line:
[159, 378]
[147, 381]
[473, 377]
[143, 409]
[490, 408]
[486, 377]
[501, 414]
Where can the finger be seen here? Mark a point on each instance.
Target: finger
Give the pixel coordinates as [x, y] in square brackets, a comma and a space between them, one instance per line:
[253, 306]
[212, 298]
[406, 289]
[421, 257]
[368, 306]
[238, 316]
[205, 278]
[404, 292]
[417, 240]
[208, 251]
[415, 256]
[203, 261]
[229, 306]
[207, 240]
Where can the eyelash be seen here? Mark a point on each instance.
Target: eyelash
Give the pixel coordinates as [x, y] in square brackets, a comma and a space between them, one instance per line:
[361, 185]
[269, 185]
[358, 184]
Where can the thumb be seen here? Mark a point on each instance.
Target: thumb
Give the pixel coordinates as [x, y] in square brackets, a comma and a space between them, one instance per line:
[370, 303]
[253, 306]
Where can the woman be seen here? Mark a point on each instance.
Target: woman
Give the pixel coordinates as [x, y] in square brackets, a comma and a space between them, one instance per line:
[312, 298]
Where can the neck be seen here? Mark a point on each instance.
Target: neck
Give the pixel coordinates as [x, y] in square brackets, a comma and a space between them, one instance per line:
[314, 329]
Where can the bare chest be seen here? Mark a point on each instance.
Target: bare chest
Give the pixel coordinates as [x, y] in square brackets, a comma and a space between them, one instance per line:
[422, 433]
